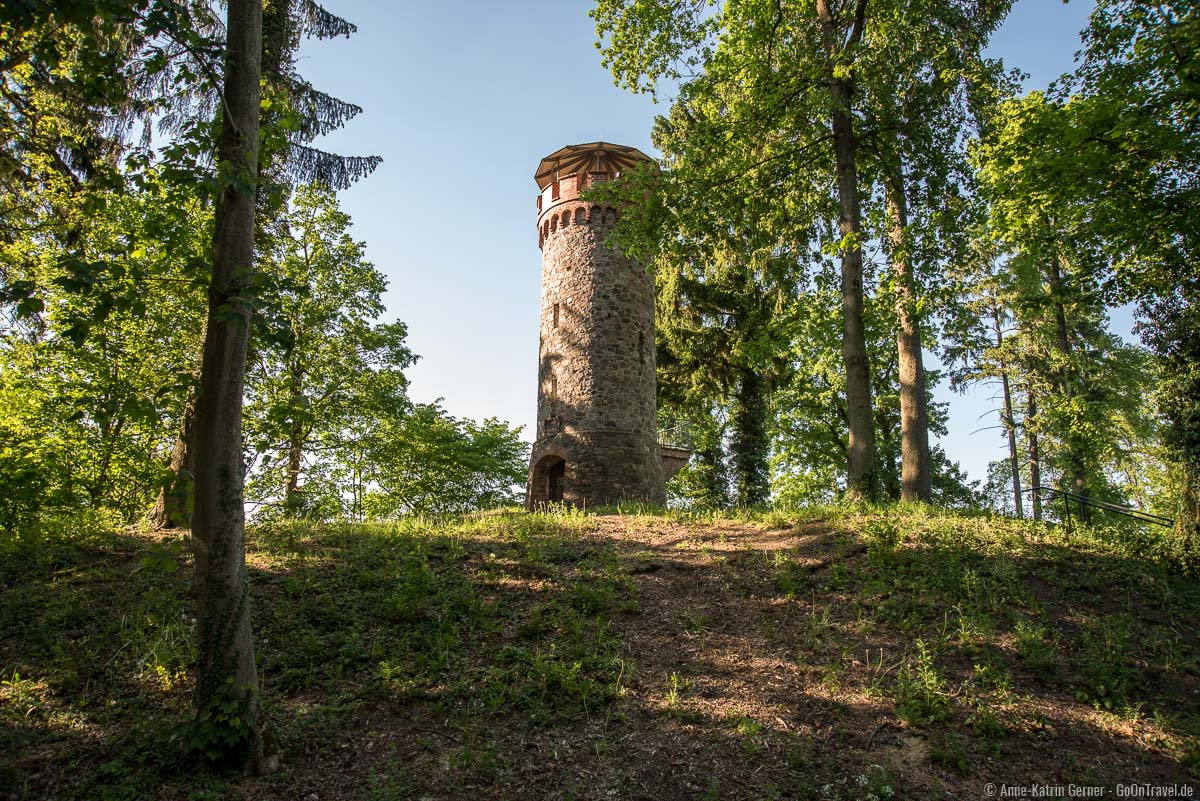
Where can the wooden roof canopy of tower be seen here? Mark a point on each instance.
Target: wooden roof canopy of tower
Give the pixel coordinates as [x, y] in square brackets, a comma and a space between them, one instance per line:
[591, 157]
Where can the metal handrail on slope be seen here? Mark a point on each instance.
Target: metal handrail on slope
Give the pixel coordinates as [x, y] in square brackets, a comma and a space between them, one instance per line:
[1083, 500]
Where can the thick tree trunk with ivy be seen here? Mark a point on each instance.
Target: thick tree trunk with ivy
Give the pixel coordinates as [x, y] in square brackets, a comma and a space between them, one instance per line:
[1065, 384]
[1035, 467]
[915, 471]
[228, 723]
[749, 443]
[861, 480]
[1187, 528]
[173, 509]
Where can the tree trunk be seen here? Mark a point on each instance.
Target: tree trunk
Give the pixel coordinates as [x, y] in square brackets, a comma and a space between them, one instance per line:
[748, 443]
[1065, 385]
[225, 667]
[295, 451]
[1009, 421]
[1035, 469]
[915, 472]
[173, 509]
[1013, 458]
[1187, 528]
[887, 457]
[861, 480]
[291, 494]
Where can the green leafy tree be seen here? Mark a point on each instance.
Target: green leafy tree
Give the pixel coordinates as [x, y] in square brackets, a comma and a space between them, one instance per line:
[96, 381]
[1057, 266]
[724, 340]
[293, 113]
[922, 109]
[1135, 166]
[326, 362]
[809, 433]
[428, 462]
[780, 101]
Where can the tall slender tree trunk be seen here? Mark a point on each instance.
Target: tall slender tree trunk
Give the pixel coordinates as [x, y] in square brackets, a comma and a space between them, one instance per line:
[295, 451]
[1035, 468]
[1014, 458]
[861, 480]
[173, 509]
[1009, 421]
[225, 667]
[749, 445]
[1065, 384]
[887, 457]
[916, 483]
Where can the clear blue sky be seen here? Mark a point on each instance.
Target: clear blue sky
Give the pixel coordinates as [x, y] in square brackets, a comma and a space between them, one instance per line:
[462, 98]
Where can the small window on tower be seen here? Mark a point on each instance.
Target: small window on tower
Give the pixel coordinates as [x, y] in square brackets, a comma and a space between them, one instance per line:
[556, 315]
[554, 191]
[539, 203]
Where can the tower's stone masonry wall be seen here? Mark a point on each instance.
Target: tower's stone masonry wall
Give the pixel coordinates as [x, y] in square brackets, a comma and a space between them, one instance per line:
[602, 468]
[596, 394]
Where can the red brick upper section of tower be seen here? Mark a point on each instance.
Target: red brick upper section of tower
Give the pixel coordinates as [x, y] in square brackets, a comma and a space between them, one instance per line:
[566, 173]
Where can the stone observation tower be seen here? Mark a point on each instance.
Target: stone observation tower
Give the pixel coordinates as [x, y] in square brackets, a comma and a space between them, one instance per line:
[597, 439]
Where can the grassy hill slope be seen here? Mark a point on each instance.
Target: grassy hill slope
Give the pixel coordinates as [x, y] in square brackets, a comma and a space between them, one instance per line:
[828, 654]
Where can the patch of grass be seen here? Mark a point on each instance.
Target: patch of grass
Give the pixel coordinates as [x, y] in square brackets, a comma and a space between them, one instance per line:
[695, 623]
[1167, 646]
[921, 696]
[874, 784]
[542, 683]
[1102, 663]
[750, 732]
[478, 758]
[386, 782]
[951, 755]
[838, 579]
[1035, 646]
[814, 628]
[882, 536]
[791, 578]
[674, 686]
